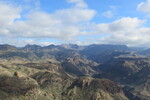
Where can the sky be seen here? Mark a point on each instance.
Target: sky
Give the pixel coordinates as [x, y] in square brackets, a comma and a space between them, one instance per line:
[83, 22]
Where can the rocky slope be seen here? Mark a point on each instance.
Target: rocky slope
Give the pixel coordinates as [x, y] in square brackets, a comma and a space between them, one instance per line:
[93, 89]
[79, 66]
[47, 80]
[124, 66]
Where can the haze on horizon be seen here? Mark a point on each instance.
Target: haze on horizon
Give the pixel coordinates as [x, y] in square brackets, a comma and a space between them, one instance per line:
[82, 22]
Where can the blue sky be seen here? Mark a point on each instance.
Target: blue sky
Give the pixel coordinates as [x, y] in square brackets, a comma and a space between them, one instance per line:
[83, 22]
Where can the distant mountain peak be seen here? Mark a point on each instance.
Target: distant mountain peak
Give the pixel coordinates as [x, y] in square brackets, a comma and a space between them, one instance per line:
[6, 47]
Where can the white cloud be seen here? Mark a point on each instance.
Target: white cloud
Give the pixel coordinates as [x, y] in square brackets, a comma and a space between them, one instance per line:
[67, 24]
[121, 25]
[144, 6]
[79, 3]
[62, 24]
[110, 13]
[128, 31]
[124, 31]
[8, 14]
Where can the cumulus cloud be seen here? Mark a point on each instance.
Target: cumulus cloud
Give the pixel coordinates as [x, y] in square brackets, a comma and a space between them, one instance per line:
[125, 31]
[62, 24]
[128, 31]
[68, 24]
[125, 24]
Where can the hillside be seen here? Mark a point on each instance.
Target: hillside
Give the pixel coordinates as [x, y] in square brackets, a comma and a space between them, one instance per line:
[47, 80]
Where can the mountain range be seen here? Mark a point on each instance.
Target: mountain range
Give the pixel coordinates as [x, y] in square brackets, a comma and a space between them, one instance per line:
[73, 72]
